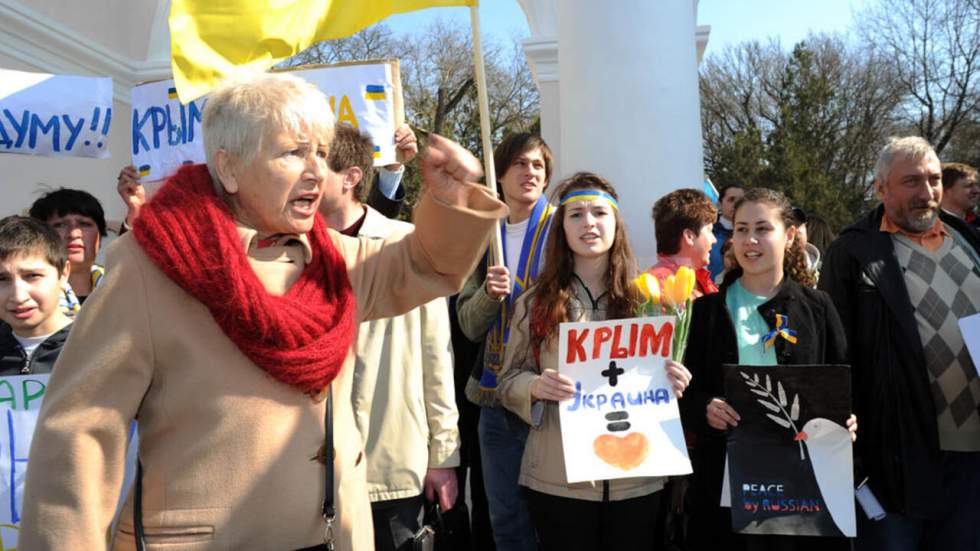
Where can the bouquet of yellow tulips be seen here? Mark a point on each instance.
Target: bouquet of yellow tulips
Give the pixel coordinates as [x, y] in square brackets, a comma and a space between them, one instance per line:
[674, 299]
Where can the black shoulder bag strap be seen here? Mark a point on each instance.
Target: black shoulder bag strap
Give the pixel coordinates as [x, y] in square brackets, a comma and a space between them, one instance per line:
[138, 507]
[329, 511]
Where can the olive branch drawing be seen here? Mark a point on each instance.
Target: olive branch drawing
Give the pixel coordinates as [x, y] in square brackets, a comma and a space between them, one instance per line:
[785, 419]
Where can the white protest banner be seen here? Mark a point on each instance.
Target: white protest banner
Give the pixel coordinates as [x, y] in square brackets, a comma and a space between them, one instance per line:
[623, 421]
[365, 95]
[970, 329]
[166, 134]
[20, 403]
[55, 115]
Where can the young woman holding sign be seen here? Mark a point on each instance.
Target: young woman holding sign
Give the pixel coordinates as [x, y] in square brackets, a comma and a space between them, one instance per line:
[588, 276]
[738, 321]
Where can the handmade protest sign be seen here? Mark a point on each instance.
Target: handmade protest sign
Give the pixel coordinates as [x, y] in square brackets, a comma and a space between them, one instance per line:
[789, 458]
[55, 115]
[20, 403]
[167, 134]
[366, 95]
[623, 421]
[970, 330]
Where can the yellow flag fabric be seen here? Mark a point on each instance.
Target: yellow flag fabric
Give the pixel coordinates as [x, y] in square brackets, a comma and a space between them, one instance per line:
[213, 39]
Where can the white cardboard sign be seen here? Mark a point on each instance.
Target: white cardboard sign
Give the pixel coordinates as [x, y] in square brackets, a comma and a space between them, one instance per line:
[167, 134]
[55, 115]
[20, 403]
[623, 421]
[970, 329]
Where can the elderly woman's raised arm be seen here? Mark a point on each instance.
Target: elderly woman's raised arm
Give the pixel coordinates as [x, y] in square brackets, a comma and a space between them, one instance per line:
[453, 223]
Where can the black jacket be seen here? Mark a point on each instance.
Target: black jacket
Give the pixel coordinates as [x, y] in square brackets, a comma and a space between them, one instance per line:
[898, 441]
[13, 360]
[712, 342]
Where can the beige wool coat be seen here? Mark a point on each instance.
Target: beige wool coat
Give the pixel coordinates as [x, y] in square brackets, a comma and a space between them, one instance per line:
[404, 396]
[226, 449]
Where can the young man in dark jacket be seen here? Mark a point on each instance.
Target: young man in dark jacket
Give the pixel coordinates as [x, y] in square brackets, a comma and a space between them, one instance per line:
[33, 271]
[901, 277]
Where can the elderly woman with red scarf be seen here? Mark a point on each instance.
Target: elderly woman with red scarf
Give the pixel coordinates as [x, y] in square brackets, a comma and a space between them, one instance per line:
[225, 327]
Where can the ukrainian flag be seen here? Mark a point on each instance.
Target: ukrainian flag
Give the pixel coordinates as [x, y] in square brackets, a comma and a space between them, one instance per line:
[144, 171]
[377, 152]
[210, 40]
[172, 93]
[375, 92]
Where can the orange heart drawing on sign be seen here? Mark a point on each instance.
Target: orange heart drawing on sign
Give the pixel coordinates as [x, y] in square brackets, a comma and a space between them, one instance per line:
[626, 452]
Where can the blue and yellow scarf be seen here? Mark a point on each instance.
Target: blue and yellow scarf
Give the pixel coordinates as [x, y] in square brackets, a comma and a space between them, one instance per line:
[69, 303]
[527, 270]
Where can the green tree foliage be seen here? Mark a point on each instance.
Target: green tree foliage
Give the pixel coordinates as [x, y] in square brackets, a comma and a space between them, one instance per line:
[808, 122]
[811, 121]
[802, 149]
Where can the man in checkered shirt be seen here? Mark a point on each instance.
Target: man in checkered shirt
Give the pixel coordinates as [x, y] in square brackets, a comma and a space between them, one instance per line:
[901, 277]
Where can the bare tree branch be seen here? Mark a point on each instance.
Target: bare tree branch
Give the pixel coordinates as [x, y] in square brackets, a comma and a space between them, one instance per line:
[933, 46]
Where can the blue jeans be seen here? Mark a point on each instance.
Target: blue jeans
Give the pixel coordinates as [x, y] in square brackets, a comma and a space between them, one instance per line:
[501, 449]
[959, 529]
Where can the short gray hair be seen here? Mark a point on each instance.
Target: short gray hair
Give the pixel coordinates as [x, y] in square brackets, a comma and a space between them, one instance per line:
[240, 113]
[906, 147]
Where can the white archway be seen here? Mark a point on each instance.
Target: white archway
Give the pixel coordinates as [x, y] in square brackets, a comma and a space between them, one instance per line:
[619, 96]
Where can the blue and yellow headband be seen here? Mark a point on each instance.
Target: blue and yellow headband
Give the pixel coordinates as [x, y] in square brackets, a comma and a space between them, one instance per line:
[589, 195]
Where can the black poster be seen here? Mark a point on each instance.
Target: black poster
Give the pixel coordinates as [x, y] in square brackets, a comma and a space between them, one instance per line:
[789, 459]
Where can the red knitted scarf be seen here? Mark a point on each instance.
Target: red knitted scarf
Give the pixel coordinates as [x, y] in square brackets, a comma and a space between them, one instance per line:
[301, 338]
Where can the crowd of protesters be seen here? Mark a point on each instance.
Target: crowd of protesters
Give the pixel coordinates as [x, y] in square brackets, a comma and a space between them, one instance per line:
[298, 375]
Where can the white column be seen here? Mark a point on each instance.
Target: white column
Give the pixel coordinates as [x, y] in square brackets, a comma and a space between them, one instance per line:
[541, 49]
[543, 59]
[629, 107]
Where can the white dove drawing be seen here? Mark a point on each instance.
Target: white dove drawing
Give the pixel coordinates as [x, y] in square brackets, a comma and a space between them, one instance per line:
[828, 444]
[829, 447]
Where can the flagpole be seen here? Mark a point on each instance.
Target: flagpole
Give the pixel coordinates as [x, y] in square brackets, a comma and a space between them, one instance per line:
[481, 94]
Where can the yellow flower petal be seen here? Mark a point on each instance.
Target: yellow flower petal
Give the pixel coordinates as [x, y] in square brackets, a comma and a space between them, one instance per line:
[641, 284]
[648, 286]
[670, 291]
[654, 287]
[687, 276]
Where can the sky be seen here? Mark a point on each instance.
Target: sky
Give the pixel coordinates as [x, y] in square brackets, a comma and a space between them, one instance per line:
[500, 19]
[732, 21]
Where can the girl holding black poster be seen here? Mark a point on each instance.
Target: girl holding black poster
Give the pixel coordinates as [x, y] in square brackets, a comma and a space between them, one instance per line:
[759, 317]
[588, 276]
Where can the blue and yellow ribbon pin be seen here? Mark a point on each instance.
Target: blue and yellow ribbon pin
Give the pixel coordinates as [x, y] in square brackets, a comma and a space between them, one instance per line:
[782, 330]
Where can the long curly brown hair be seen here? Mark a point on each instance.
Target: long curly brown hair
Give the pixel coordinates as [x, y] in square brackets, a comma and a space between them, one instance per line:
[795, 265]
[552, 290]
[794, 261]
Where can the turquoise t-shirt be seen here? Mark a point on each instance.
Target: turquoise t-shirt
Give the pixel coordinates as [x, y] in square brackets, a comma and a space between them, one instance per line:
[750, 327]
